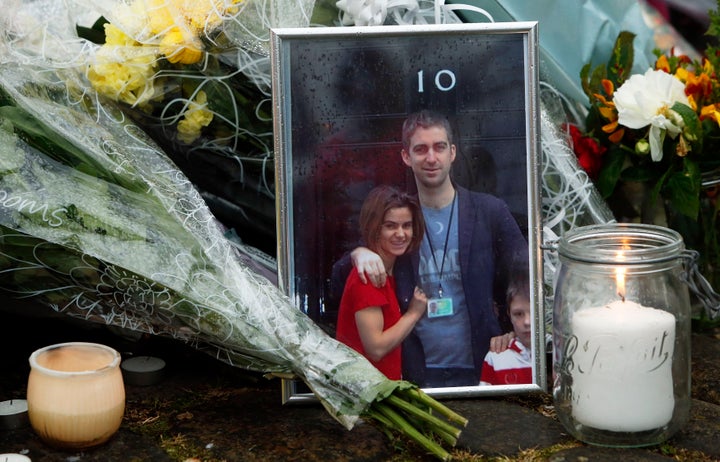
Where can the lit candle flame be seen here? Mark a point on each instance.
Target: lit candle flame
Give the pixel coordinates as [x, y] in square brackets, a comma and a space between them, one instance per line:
[620, 277]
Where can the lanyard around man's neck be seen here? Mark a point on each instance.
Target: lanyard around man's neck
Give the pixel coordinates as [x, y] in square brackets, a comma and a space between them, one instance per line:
[445, 246]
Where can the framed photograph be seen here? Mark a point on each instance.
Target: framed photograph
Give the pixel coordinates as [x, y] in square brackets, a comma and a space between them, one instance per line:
[351, 111]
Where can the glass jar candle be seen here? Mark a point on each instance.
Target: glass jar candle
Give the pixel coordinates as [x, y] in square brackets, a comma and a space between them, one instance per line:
[621, 335]
[75, 394]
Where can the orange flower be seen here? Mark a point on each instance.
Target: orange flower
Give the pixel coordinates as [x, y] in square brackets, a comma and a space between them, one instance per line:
[712, 112]
[608, 111]
[608, 87]
[665, 64]
[616, 134]
[697, 86]
[662, 64]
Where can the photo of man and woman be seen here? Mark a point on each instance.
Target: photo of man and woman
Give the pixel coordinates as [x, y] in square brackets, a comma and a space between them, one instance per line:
[476, 247]
[409, 203]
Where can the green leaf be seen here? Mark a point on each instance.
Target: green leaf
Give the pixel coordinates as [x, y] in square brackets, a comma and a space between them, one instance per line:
[96, 33]
[637, 173]
[693, 130]
[325, 12]
[682, 189]
[714, 28]
[619, 66]
[610, 173]
[41, 137]
[658, 186]
[59, 148]
[585, 79]
[592, 81]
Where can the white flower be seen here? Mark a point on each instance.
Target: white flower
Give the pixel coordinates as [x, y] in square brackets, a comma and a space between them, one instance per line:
[375, 12]
[362, 12]
[646, 99]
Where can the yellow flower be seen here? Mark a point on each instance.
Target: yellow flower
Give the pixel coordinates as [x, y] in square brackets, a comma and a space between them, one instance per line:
[199, 14]
[115, 36]
[662, 64]
[160, 16]
[195, 118]
[208, 14]
[180, 23]
[132, 19]
[123, 71]
[178, 48]
[710, 111]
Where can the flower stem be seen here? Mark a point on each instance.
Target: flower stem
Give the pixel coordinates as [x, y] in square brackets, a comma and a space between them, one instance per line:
[399, 423]
[423, 398]
[433, 421]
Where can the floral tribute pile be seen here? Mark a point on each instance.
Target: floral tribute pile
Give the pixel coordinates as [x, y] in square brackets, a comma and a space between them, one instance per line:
[97, 221]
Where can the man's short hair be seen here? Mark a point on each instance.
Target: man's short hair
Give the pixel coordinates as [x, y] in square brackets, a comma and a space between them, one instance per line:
[424, 119]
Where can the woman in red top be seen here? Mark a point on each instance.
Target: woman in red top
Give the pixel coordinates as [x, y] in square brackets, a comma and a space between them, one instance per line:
[369, 318]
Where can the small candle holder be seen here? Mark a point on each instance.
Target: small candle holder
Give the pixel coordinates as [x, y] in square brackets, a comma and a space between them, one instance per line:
[142, 371]
[621, 335]
[14, 457]
[75, 394]
[13, 414]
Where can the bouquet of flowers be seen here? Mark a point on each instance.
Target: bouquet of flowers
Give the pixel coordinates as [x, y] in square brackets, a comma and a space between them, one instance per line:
[118, 235]
[195, 76]
[651, 141]
[97, 221]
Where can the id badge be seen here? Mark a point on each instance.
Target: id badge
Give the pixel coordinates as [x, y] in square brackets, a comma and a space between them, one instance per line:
[439, 307]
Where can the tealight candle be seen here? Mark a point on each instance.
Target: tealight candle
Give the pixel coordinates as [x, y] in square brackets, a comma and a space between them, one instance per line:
[13, 414]
[142, 370]
[622, 380]
[12, 457]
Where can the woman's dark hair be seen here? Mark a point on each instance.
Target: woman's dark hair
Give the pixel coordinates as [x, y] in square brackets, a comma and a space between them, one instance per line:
[376, 205]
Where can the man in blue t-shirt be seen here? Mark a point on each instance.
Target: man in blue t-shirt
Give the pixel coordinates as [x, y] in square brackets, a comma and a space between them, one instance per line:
[471, 246]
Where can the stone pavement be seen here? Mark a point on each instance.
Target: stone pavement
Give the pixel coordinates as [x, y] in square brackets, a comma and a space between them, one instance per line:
[206, 411]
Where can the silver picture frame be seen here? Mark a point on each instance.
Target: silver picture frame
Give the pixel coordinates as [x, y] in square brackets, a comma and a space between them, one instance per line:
[340, 95]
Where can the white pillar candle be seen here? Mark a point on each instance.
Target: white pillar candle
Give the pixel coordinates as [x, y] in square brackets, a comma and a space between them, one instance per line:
[622, 367]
